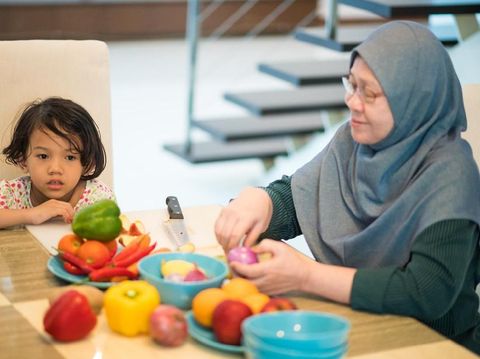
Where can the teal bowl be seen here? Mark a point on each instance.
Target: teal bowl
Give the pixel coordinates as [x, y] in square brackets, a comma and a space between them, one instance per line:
[181, 294]
[298, 330]
[255, 349]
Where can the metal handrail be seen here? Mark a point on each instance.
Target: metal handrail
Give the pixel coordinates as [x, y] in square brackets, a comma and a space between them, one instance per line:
[194, 20]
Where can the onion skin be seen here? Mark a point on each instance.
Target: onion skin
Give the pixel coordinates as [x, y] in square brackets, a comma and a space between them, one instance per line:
[243, 255]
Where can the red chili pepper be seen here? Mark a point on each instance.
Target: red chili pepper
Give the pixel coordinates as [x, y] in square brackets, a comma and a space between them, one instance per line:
[107, 273]
[78, 262]
[72, 269]
[126, 252]
[135, 257]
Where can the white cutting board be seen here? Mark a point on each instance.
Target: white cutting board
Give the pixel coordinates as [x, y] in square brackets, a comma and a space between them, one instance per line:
[199, 222]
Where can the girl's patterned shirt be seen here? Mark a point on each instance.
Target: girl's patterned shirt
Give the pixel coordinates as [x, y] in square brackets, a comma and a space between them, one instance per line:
[15, 193]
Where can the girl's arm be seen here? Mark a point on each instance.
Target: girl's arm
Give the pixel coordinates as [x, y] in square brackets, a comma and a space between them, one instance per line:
[36, 215]
[13, 217]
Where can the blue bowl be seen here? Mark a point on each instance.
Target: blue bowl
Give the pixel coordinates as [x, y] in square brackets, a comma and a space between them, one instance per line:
[181, 294]
[298, 330]
[255, 349]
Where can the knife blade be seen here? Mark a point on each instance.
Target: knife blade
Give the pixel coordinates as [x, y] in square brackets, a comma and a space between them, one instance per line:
[176, 224]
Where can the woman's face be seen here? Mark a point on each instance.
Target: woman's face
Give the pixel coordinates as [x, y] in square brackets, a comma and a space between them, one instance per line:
[371, 118]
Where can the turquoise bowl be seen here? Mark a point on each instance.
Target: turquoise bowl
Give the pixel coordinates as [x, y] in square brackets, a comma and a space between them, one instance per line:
[255, 349]
[298, 330]
[181, 294]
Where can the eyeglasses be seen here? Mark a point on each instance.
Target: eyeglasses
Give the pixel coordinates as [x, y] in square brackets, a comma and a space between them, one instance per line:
[365, 95]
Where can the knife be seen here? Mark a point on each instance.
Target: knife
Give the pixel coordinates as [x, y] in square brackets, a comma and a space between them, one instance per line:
[176, 224]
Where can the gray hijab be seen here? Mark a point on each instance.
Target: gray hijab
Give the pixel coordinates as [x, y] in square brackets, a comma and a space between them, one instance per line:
[363, 205]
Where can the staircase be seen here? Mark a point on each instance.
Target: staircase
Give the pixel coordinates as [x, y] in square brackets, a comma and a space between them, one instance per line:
[278, 115]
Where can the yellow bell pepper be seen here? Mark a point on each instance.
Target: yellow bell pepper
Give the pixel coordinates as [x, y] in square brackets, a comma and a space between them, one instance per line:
[129, 305]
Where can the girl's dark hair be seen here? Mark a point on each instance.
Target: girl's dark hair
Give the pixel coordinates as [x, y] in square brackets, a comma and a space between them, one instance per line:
[65, 119]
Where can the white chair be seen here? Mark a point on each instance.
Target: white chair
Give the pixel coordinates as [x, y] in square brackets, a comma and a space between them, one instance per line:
[37, 69]
[471, 99]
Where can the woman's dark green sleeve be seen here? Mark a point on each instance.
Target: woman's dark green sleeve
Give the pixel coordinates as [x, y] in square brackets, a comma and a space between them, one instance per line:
[436, 286]
[284, 223]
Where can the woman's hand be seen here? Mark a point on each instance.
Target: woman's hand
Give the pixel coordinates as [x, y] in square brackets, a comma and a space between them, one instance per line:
[50, 209]
[287, 270]
[247, 216]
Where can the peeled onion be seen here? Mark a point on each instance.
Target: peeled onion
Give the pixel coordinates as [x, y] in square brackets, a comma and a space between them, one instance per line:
[243, 255]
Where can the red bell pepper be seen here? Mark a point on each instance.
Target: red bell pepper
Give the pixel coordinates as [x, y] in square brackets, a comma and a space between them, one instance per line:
[70, 317]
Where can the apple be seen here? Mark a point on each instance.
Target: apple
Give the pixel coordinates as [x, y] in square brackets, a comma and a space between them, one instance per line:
[278, 304]
[168, 326]
[243, 255]
[227, 321]
[136, 228]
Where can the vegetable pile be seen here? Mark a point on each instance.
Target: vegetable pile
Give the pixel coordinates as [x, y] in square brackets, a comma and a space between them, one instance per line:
[92, 249]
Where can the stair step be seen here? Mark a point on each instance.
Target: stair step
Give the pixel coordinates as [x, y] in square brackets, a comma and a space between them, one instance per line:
[303, 73]
[309, 98]
[349, 36]
[215, 151]
[262, 127]
[402, 8]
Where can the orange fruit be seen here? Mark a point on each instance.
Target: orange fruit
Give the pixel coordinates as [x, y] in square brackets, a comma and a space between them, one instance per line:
[204, 303]
[238, 288]
[70, 243]
[256, 301]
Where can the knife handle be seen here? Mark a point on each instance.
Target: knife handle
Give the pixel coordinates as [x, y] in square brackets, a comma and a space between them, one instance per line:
[174, 210]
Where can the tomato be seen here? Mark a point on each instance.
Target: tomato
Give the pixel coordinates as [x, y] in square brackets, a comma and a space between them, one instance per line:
[70, 243]
[112, 247]
[94, 253]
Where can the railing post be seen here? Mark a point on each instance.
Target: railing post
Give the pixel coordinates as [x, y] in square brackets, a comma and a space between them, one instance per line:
[331, 18]
[192, 35]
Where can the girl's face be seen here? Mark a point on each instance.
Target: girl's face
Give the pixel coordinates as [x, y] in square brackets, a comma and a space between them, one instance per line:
[371, 117]
[54, 166]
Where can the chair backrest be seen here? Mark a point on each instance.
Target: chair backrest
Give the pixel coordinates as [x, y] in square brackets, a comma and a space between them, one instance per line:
[471, 99]
[37, 69]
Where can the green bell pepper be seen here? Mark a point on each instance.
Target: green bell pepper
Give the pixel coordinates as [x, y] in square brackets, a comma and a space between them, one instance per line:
[99, 221]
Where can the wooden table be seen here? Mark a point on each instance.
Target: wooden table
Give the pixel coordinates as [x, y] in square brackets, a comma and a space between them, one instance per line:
[25, 282]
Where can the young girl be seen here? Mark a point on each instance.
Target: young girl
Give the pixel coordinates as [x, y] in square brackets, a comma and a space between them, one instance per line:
[57, 143]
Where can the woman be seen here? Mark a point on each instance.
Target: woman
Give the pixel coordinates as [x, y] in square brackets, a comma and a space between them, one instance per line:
[391, 207]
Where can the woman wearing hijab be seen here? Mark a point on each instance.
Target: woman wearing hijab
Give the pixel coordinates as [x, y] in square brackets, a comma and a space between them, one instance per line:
[391, 207]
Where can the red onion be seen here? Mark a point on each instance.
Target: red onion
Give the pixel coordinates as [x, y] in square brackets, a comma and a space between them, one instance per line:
[243, 255]
[195, 275]
[168, 326]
